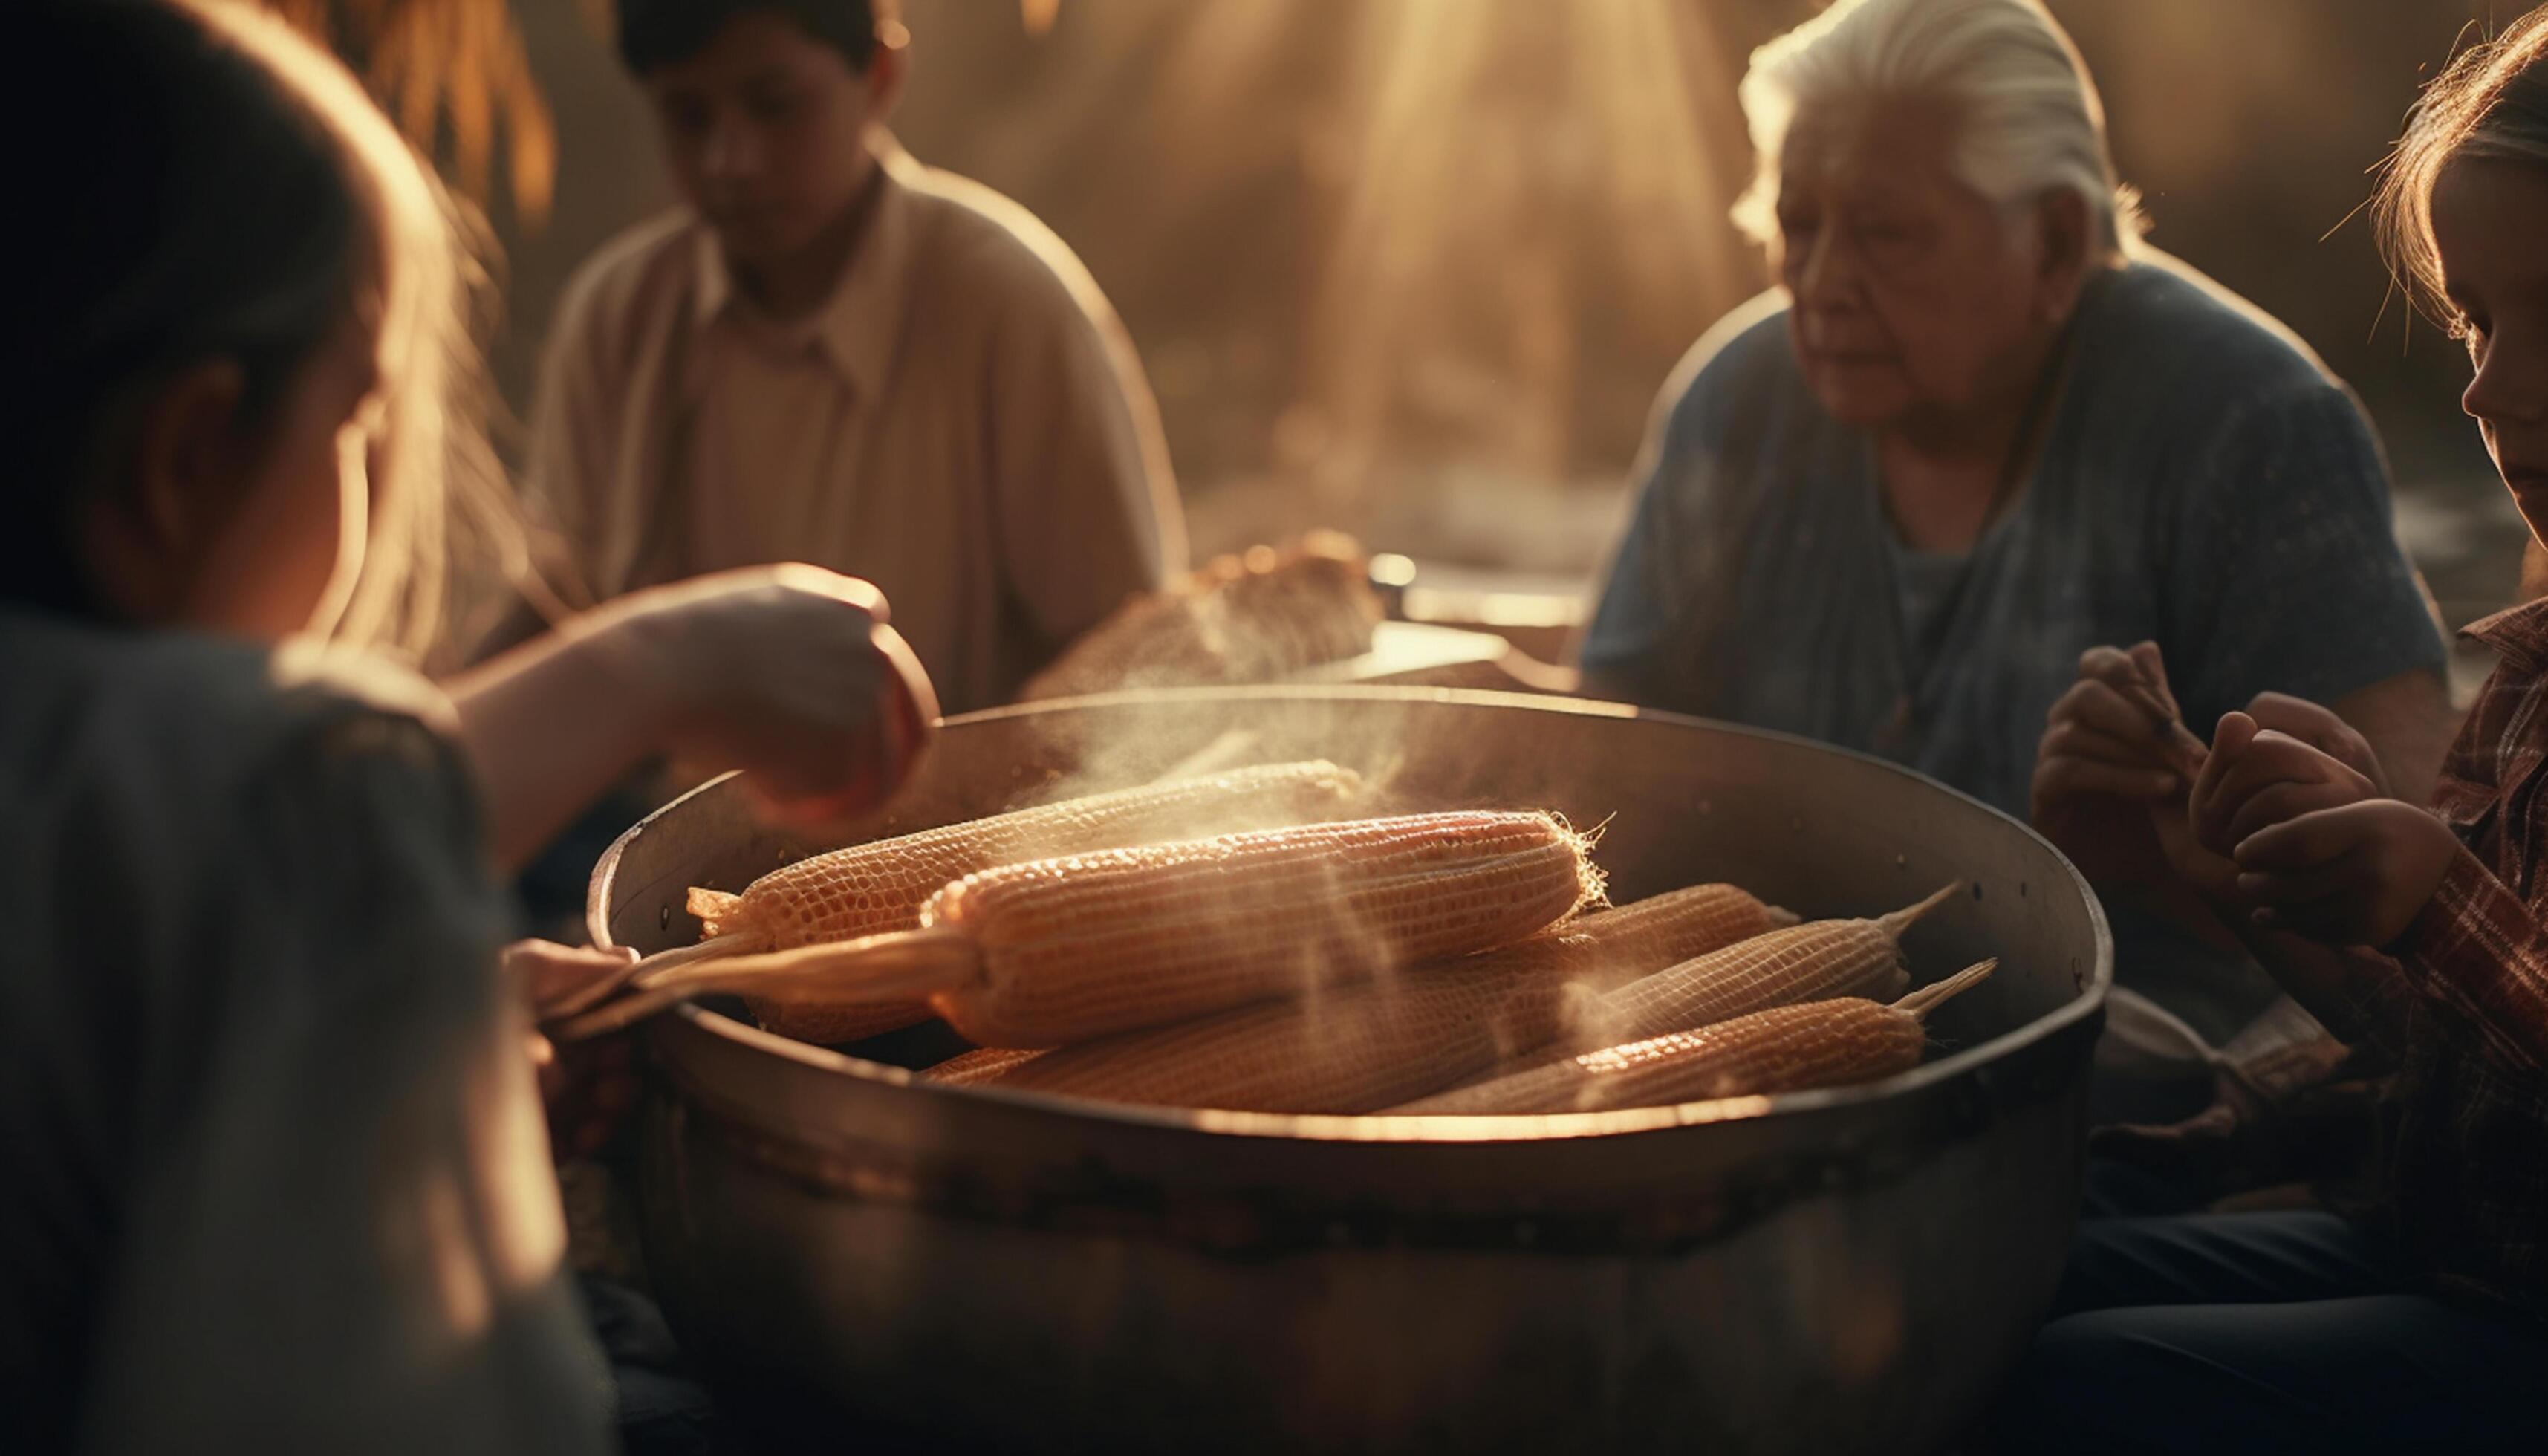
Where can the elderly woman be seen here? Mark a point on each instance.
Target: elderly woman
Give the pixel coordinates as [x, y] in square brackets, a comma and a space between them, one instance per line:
[1978, 430]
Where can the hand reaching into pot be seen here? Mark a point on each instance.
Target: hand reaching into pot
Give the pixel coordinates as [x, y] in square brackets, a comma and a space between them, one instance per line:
[789, 673]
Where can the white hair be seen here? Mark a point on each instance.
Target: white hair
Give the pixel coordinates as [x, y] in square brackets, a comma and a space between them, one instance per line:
[2029, 115]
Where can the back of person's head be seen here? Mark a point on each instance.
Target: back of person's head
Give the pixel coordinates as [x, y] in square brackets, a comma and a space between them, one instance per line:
[654, 33]
[2491, 103]
[2028, 117]
[224, 193]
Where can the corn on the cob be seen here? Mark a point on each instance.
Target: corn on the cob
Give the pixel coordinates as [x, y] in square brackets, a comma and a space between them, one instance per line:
[1365, 1047]
[1785, 1048]
[870, 888]
[1060, 950]
[1815, 961]
[982, 1066]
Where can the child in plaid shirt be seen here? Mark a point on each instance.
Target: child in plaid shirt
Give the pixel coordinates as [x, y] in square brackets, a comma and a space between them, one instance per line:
[2419, 938]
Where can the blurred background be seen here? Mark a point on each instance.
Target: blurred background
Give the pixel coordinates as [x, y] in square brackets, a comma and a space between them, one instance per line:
[1416, 268]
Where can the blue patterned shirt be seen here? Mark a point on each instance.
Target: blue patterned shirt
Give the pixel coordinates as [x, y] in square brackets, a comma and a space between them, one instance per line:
[2203, 482]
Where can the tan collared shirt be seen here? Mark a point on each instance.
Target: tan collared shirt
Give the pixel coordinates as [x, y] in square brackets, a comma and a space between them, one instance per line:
[964, 423]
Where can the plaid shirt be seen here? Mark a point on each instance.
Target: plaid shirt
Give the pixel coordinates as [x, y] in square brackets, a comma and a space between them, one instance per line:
[2467, 1164]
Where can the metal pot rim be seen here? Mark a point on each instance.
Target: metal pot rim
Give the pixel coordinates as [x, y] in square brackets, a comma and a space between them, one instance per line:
[1381, 1128]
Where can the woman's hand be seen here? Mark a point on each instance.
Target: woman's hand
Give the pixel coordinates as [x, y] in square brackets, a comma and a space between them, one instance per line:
[788, 672]
[2110, 785]
[2111, 774]
[2353, 876]
[2100, 773]
[2101, 739]
[2255, 777]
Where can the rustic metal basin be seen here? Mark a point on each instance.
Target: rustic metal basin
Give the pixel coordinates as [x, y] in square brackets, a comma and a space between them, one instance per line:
[1828, 1272]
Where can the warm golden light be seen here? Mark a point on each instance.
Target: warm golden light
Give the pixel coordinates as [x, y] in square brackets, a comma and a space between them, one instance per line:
[455, 64]
[1507, 165]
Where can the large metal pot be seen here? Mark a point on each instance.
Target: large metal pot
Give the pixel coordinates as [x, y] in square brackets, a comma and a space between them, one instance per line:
[1826, 1272]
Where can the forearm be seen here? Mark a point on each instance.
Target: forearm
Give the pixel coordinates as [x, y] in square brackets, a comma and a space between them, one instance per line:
[2475, 945]
[549, 726]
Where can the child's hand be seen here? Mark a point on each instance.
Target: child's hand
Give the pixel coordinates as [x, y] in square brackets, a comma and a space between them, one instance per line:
[788, 672]
[2354, 875]
[2255, 777]
[2321, 728]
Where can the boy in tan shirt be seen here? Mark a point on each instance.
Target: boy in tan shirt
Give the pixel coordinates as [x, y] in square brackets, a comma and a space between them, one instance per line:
[834, 354]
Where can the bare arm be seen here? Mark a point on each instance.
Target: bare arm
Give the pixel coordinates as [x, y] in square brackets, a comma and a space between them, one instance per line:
[788, 672]
[550, 726]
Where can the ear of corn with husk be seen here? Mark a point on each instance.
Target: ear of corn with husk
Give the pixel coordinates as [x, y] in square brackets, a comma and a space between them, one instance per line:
[1785, 1048]
[1060, 951]
[1815, 961]
[1363, 1049]
[1065, 951]
[873, 888]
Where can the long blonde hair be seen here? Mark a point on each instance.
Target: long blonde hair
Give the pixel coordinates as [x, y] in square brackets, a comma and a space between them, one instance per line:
[2491, 102]
[225, 212]
[438, 487]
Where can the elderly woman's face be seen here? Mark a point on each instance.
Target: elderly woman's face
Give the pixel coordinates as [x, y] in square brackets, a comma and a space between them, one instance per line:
[1913, 293]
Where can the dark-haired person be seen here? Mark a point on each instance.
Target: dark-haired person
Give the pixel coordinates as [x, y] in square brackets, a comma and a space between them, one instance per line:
[834, 354]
